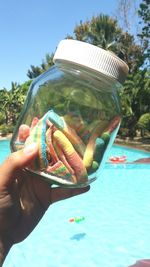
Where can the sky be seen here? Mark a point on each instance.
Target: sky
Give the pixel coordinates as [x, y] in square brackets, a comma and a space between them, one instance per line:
[31, 28]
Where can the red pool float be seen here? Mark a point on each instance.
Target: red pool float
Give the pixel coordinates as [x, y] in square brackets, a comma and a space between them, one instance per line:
[118, 159]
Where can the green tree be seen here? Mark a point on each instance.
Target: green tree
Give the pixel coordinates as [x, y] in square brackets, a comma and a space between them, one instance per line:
[104, 31]
[135, 98]
[101, 31]
[11, 101]
[5, 101]
[144, 123]
[34, 72]
[46, 64]
[18, 94]
[144, 35]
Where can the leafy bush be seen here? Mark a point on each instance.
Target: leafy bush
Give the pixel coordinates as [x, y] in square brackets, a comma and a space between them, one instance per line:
[6, 129]
[2, 118]
[144, 122]
[123, 132]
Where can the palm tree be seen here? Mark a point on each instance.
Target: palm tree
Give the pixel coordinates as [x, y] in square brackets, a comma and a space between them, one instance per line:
[46, 64]
[101, 31]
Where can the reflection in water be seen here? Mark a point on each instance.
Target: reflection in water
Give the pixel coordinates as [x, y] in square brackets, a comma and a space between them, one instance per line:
[78, 237]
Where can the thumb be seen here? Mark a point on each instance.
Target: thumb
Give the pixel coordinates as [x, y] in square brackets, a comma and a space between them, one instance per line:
[15, 162]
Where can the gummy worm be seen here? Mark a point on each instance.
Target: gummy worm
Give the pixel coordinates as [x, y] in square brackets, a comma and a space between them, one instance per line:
[50, 145]
[71, 155]
[60, 170]
[89, 152]
[60, 123]
[37, 135]
[62, 157]
[75, 120]
[99, 149]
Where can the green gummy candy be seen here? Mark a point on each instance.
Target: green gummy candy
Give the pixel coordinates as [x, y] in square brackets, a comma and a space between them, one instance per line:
[94, 167]
[99, 149]
[106, 137]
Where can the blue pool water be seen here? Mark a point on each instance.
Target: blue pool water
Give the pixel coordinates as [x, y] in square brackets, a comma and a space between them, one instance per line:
[131, 154]
[116, 229]
[4, 149]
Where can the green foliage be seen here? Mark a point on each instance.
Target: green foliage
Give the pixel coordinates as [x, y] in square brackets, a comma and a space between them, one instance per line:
[6, 129]
[123, 132]
[46, 64]
[136, 94]
[2, 117]
[34, 72]
[11, 101]
[135, 98]
[103, 31]
[144, 14]
[144, 121]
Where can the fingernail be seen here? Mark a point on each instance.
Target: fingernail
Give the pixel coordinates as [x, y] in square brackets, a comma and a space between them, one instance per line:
[30, 148]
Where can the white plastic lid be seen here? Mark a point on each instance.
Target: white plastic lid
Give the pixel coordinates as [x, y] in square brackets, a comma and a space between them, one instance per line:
[93, 57]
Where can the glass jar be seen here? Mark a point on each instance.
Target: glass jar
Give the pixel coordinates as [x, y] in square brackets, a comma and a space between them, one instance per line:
[72, 111]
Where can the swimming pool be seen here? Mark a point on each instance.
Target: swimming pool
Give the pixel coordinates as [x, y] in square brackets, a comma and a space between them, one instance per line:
[116, 229]
[131, 154]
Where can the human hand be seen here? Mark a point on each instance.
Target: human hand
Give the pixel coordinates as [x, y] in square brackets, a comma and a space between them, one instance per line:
[24, 198]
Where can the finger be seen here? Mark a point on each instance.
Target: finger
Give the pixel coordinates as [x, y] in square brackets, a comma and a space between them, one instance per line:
[59, 193]
[15, 162]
